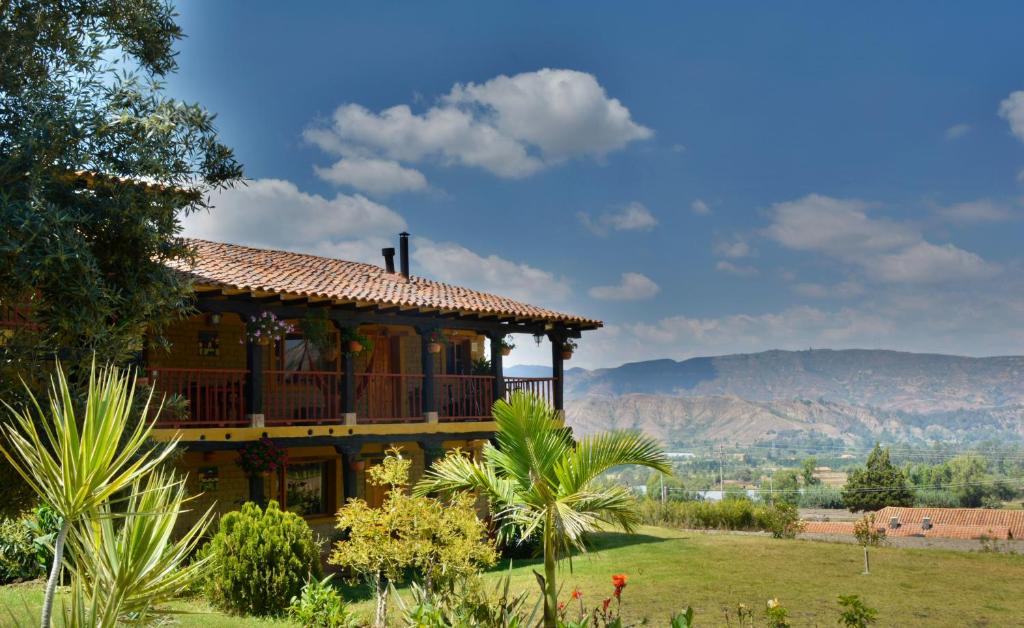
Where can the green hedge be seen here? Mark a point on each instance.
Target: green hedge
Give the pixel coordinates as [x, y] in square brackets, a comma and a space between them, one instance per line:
[727, 514]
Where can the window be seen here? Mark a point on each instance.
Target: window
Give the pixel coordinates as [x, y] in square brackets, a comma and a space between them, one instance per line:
[306, 486]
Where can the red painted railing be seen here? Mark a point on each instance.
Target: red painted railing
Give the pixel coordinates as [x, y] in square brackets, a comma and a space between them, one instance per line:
[539, 386]
[216, 397]
[464, 397]
[16, 317]
[302, 397]
[389, 398]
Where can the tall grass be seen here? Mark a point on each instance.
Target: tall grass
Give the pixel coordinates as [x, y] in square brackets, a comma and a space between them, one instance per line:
[727, 514]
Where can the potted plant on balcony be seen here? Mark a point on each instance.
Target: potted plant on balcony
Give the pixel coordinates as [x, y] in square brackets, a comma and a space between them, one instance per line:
[316, 330]
[261, 457]
[507, 345]
[263, 328]
[567, 348]
[354, 341]
[435, 341]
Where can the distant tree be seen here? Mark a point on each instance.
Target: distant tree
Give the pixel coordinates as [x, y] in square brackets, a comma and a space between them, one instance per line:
[868, 535]
[807, 468]
[968, 480]
[786, 487]
[877, 485]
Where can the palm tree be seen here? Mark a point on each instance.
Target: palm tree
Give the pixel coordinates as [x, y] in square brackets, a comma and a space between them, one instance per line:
[79, 461]
[538, 479]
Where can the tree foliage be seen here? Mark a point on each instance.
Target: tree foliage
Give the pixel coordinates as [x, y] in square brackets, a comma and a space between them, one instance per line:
[877, 485]
[444, 542]
[97, 166]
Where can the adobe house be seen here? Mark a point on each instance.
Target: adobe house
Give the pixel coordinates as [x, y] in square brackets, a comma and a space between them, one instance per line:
[418, 383]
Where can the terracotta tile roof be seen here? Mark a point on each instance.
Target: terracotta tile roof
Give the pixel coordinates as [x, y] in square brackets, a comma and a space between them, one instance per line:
[1013, 520]
[233, 266]
[845, 528]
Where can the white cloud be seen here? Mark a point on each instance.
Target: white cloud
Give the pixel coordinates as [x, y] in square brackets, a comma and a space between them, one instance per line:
[632, 217]
[275, 213]
[631, 287]
[453, 263]
[700, 208]
[1012, 108]
[982, 210]
[375, 176]
[735, 248]
[957, 131]
[842, 290]
[733, 269]
[888, 251]
[512, 126]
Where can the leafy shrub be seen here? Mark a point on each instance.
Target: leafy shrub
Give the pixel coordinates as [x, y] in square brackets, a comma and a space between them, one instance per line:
[935, 498]
[855, 613]
[261, 559]
[776, 614]
[320, 606]
[821, 496]
[18, 555]
[729, 514]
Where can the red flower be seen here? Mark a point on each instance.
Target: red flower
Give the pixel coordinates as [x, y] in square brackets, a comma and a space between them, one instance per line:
[604, 605]
[619, 580]
[577, 594]
[561, 606]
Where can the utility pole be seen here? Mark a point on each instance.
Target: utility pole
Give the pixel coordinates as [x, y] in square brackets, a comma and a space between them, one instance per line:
[663, 488]
[721, 471]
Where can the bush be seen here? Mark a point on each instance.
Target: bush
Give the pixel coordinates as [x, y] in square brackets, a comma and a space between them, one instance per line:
[821, 496]
[320, 606]
[728, 514]
[782, 520]
[261, 560]
[935, 498]
[18, 553]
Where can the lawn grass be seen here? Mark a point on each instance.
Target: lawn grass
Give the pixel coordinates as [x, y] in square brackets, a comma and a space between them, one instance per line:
[669, 569]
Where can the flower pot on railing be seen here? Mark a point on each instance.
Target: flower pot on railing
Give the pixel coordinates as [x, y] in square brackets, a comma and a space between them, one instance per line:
[357, 465]
[434, 347]
[263, 341]
[566, 354]
[506, 351]
[354, 346]
[331, 354]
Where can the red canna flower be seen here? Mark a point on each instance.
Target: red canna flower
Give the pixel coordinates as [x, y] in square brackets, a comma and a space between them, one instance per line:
[619, 580]
[577, 594]
[605, 604]
[561, 606]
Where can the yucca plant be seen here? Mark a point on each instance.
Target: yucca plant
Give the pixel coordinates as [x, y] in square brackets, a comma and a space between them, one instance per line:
[77, 462]
[539, 479]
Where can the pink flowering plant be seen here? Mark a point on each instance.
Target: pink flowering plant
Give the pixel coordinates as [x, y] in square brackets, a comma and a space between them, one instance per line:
[266, 327]
[261, 456]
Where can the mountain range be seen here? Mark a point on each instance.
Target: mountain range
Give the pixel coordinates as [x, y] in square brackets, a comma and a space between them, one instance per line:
[853, 396]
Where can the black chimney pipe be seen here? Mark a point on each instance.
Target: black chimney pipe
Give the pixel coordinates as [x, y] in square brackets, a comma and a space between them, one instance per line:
[403, 252]
[389, 258]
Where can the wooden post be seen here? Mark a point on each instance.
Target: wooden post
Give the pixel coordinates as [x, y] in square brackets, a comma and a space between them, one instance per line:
[348, 383]
[256, 493]
[497, 371]
[429, 391]
[254, 384]
[557, 370]
[350, 477]
[433, 451]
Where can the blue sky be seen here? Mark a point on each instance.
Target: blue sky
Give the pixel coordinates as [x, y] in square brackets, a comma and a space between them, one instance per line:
[706, 179]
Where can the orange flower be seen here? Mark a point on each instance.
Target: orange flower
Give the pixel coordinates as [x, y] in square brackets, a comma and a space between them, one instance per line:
[577, 594]
[619, 580]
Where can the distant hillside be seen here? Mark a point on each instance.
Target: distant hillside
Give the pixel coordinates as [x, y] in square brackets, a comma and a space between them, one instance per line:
[889, 380]
[850, 395]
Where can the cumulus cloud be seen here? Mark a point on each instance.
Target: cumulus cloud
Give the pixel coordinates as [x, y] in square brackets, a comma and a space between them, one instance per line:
[841, 290]
[888, 251]
[632, 217]
[1012, 109]
[453, 263]
[275, 213]
[734, 269]
[511, 126]
[982, 210]
[700, 208]
[380, 177]
[957, 131]
[631, 287]
[733, 248]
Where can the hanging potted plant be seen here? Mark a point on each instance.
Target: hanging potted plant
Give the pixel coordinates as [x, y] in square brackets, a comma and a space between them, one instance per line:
[263, 328]
[316, 330]
[261, 457]
[435, 341]
[507, 345]
[354, 341]
[567, 348]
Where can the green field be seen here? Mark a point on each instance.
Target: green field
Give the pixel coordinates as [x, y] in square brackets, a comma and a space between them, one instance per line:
[669, 569]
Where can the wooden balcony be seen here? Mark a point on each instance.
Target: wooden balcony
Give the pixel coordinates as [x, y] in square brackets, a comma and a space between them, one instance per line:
[217, 397]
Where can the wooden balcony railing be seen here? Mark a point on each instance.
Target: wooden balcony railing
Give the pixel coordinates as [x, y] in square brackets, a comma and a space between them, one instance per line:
[216, 397]
[464, 397]
[302, 397]
[539, 386]
[17, 317]
[389, 398]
